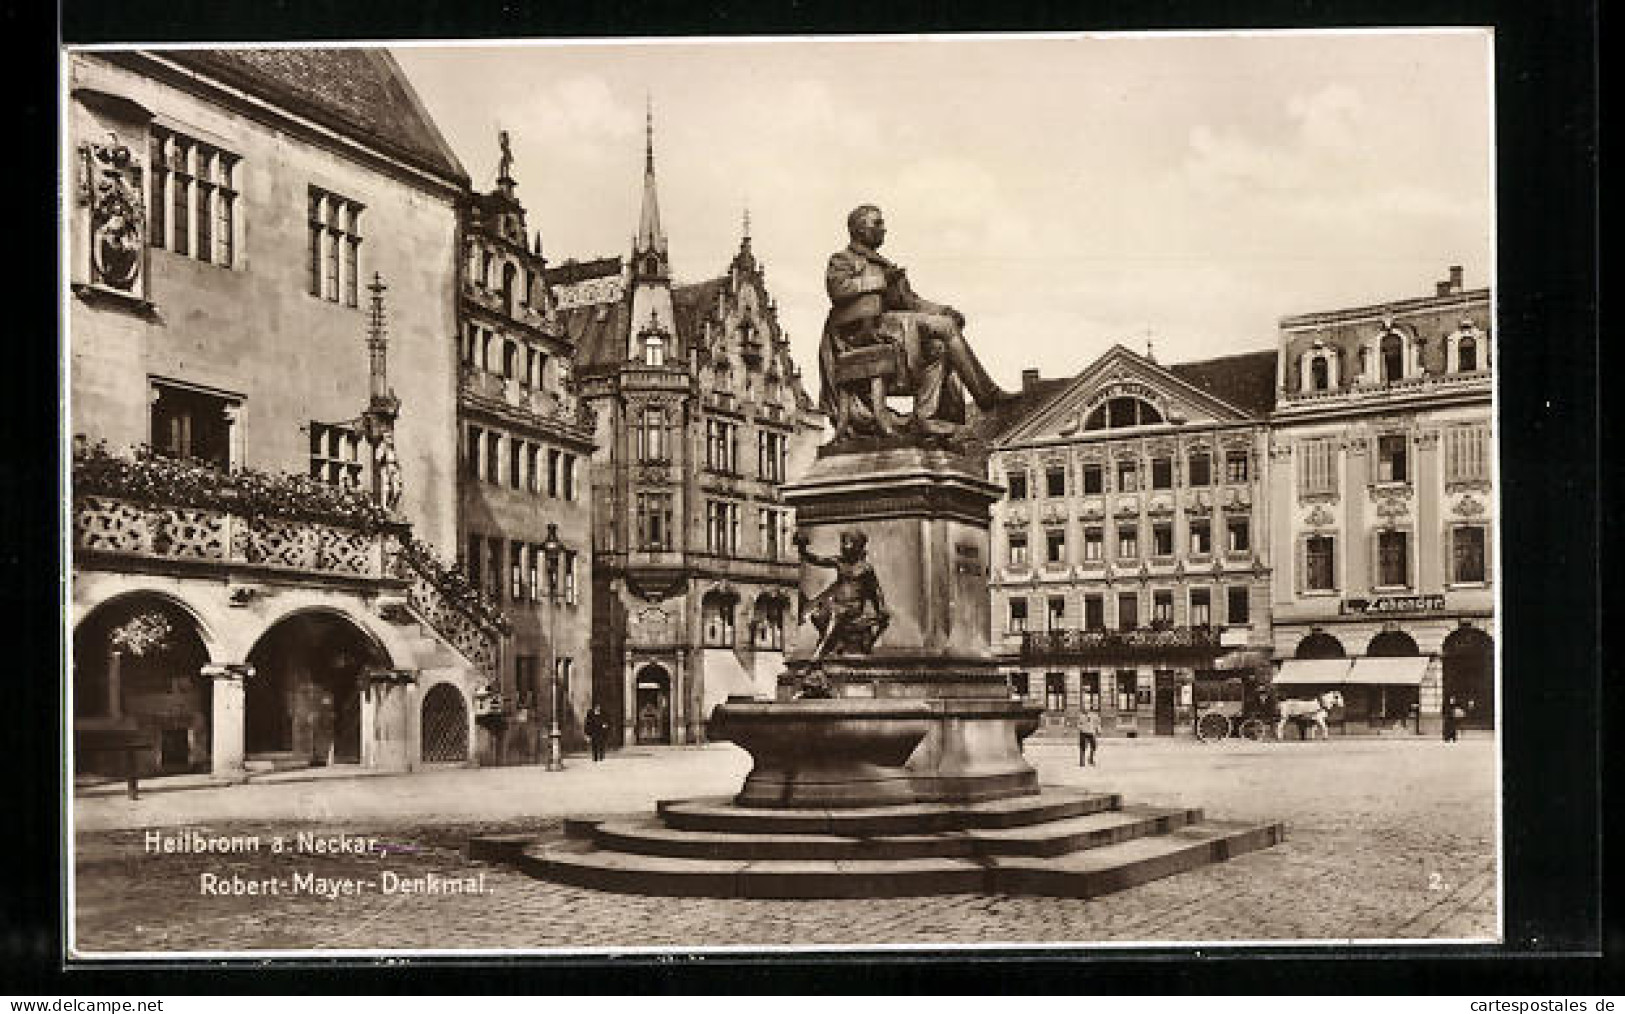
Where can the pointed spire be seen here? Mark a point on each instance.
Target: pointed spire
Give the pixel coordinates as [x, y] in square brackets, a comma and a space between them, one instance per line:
[650, 236]
[747, 223]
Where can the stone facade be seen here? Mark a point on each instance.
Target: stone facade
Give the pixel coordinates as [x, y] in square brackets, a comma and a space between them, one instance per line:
[1129, 550]
[1383, 489]
[700, 419]
[226, 213]
[526, 464]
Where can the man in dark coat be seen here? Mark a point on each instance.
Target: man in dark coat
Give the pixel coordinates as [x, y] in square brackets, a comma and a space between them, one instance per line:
[597, 729]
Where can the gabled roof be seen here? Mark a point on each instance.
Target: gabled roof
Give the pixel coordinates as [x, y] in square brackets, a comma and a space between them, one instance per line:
[1245, 380]
[693, 302]
[598, 331]
[359, 92]
[986, 429]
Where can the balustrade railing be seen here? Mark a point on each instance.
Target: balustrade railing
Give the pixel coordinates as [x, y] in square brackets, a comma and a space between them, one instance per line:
[1146, 641]
[190, 512]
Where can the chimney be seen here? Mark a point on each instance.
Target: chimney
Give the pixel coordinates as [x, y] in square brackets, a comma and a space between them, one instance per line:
[1029, 380]
[1441, 288]
[1455, 278]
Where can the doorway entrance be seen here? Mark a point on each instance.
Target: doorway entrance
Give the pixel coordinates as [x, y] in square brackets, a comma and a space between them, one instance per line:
[303, 705]
[1164, 691]
[1469, 676]
[653, 722]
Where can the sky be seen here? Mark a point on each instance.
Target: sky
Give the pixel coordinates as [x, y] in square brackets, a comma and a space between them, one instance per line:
[1065, 193]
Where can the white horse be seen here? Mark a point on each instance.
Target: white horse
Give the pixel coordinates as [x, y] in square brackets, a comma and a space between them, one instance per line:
[1309, 711]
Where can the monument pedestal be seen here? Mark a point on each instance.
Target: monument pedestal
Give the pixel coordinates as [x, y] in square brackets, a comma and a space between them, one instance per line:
[925, 717]
[893, 771]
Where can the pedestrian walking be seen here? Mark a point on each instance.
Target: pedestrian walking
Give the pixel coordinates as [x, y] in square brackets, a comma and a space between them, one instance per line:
[1452, 714]
[1088, 737]
[597, 730]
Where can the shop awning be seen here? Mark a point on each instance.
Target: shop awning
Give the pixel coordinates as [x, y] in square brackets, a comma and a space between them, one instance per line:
[1403, 671]
[1318, 671]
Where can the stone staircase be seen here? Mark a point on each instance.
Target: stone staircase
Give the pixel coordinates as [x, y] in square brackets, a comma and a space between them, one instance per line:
[1059, 842]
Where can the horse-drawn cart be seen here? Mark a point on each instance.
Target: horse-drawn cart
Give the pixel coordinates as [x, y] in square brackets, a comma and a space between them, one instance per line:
[1231, 704]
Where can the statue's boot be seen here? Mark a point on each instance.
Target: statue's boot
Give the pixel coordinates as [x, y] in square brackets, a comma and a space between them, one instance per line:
[981, 387]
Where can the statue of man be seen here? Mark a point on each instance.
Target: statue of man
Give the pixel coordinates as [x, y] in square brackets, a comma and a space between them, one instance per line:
[872, 303]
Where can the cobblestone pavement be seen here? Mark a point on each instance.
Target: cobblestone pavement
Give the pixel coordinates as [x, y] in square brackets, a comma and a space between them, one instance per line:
[1386, 839]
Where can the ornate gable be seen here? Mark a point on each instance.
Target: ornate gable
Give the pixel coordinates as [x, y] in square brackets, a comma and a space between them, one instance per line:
[1124, 393]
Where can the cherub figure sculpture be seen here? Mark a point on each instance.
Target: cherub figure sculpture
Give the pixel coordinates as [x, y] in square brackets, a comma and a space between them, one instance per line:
[851, 613]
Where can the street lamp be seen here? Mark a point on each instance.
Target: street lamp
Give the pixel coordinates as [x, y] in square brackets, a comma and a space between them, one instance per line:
[551, 548]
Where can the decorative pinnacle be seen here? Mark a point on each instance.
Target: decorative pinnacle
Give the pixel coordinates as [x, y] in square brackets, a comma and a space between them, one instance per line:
[375, 313]
[747, 223]
[648, 132]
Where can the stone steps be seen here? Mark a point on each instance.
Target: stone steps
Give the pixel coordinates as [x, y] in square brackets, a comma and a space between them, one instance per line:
[1084, 874]
[719, 814]
[649, 836]
[1061, 842]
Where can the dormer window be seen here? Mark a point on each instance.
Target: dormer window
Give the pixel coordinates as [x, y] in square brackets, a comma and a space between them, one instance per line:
[1392, 351]
[1319, 374]
[654, 350]
[1466, 354]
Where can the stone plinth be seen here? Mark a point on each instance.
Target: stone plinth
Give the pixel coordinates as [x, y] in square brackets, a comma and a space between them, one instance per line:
[925, 513]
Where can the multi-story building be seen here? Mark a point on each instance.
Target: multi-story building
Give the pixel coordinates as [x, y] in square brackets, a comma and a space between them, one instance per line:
[527, 444]
[701, 418]
[253, 236]
[1130, 548]
[1382, 491]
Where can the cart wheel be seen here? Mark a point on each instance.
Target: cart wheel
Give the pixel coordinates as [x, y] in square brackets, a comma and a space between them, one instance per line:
[1254, 729]
[1212, 727]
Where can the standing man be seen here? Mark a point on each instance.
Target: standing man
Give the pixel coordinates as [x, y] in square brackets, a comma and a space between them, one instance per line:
[597, 730]
[1088, 737]
[1451, 711]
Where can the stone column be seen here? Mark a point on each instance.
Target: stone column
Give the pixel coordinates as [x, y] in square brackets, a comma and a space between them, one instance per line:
[226, 727]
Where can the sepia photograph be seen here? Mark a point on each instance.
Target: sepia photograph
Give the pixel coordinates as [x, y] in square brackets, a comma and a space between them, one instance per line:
[794, 495]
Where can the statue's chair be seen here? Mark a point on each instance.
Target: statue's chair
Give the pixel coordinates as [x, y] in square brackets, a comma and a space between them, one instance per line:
[866, 374]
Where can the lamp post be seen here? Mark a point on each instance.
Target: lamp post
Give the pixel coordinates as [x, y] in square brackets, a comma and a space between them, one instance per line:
[551, 548]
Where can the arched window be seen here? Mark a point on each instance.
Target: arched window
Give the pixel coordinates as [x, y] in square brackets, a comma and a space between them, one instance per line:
[1392, 350]
[1122, 412]
[485, 269]
[1319, 375]
[509, 273]
[1466, 353]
